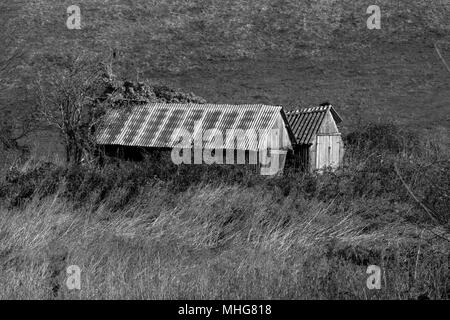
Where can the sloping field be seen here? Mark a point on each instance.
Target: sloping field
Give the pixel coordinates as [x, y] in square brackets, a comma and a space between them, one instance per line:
[276, 52]
[159, 231]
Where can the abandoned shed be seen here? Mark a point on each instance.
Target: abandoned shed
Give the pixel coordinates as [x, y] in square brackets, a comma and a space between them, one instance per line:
[260, 131]
[318, 142]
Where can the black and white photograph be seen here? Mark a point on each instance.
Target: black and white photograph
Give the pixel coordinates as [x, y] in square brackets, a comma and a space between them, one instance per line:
[223, 155]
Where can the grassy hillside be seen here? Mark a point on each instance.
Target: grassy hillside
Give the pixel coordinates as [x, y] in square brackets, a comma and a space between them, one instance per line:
[177, 35]
[277, 52]
[153, 230]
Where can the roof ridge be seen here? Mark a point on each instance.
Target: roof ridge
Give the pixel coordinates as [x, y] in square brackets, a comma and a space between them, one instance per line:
[180, 104]
[309, 109]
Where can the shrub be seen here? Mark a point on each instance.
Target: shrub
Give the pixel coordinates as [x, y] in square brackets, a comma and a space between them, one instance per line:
[19, 187]
[381, 138]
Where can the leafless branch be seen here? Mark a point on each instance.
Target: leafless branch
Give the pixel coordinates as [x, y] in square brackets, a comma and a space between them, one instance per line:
[66, 98]
[441, 57]
[428, 211]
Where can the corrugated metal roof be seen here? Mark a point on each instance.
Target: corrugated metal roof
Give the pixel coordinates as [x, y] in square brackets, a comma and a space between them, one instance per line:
[155, 124]
[306, 122]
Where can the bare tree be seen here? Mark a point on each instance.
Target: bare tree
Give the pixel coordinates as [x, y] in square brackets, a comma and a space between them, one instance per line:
[68, 101]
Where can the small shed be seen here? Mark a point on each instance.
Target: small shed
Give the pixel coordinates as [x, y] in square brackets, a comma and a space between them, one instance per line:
[318, 142]
[221, 127]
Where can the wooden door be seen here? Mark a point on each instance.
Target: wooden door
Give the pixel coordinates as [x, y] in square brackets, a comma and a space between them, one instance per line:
[328, 151]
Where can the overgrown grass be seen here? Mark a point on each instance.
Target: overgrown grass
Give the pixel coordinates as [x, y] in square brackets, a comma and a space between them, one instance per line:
[148, 230]
[222, 242]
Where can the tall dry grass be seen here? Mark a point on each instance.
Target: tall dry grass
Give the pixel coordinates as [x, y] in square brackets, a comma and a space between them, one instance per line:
[150, 230]
[226, 242]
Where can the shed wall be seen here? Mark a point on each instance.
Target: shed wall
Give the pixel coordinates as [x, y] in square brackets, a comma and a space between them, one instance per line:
[330, 129]
[328, 125]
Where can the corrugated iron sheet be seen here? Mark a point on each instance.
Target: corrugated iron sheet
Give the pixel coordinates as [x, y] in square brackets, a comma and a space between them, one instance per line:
[159, 125]
[305, 123]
